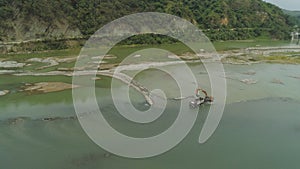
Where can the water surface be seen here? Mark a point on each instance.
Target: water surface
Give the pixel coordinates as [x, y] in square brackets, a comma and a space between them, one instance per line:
[260, 127]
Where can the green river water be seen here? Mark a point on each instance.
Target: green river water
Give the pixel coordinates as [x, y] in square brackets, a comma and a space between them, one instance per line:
[260, 127]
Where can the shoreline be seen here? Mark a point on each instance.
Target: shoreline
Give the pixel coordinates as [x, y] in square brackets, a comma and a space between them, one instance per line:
[234, 57]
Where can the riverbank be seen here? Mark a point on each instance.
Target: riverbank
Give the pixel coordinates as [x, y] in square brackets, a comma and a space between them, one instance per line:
[61, 63]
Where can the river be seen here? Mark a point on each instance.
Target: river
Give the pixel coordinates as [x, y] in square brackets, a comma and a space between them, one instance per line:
[260, 127]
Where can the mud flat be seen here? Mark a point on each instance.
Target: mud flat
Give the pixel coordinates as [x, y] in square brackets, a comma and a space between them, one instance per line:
[47, 87]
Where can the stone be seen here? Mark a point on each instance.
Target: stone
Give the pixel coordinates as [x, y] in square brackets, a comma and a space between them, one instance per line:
[4, 92]
[11, 64]
[249, 81]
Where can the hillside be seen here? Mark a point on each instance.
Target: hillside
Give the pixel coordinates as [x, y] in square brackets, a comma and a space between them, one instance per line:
[22, 20]
[295, 15]
[292, 13]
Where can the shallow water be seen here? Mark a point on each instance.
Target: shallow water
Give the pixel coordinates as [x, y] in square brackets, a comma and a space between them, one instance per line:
[263, 131]
[255, 134]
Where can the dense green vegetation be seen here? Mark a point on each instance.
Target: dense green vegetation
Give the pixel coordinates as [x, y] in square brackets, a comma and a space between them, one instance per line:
[294, 15]
[220, 19]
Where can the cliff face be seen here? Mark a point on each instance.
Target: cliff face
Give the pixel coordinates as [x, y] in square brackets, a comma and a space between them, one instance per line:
[33, 28]
[25, 20]
[22, 20]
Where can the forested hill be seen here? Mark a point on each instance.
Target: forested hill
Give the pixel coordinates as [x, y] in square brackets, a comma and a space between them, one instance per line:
[22, 20]
[295, 15]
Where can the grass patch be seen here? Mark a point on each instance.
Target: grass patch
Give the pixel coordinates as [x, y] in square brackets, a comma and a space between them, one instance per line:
[242, 44]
